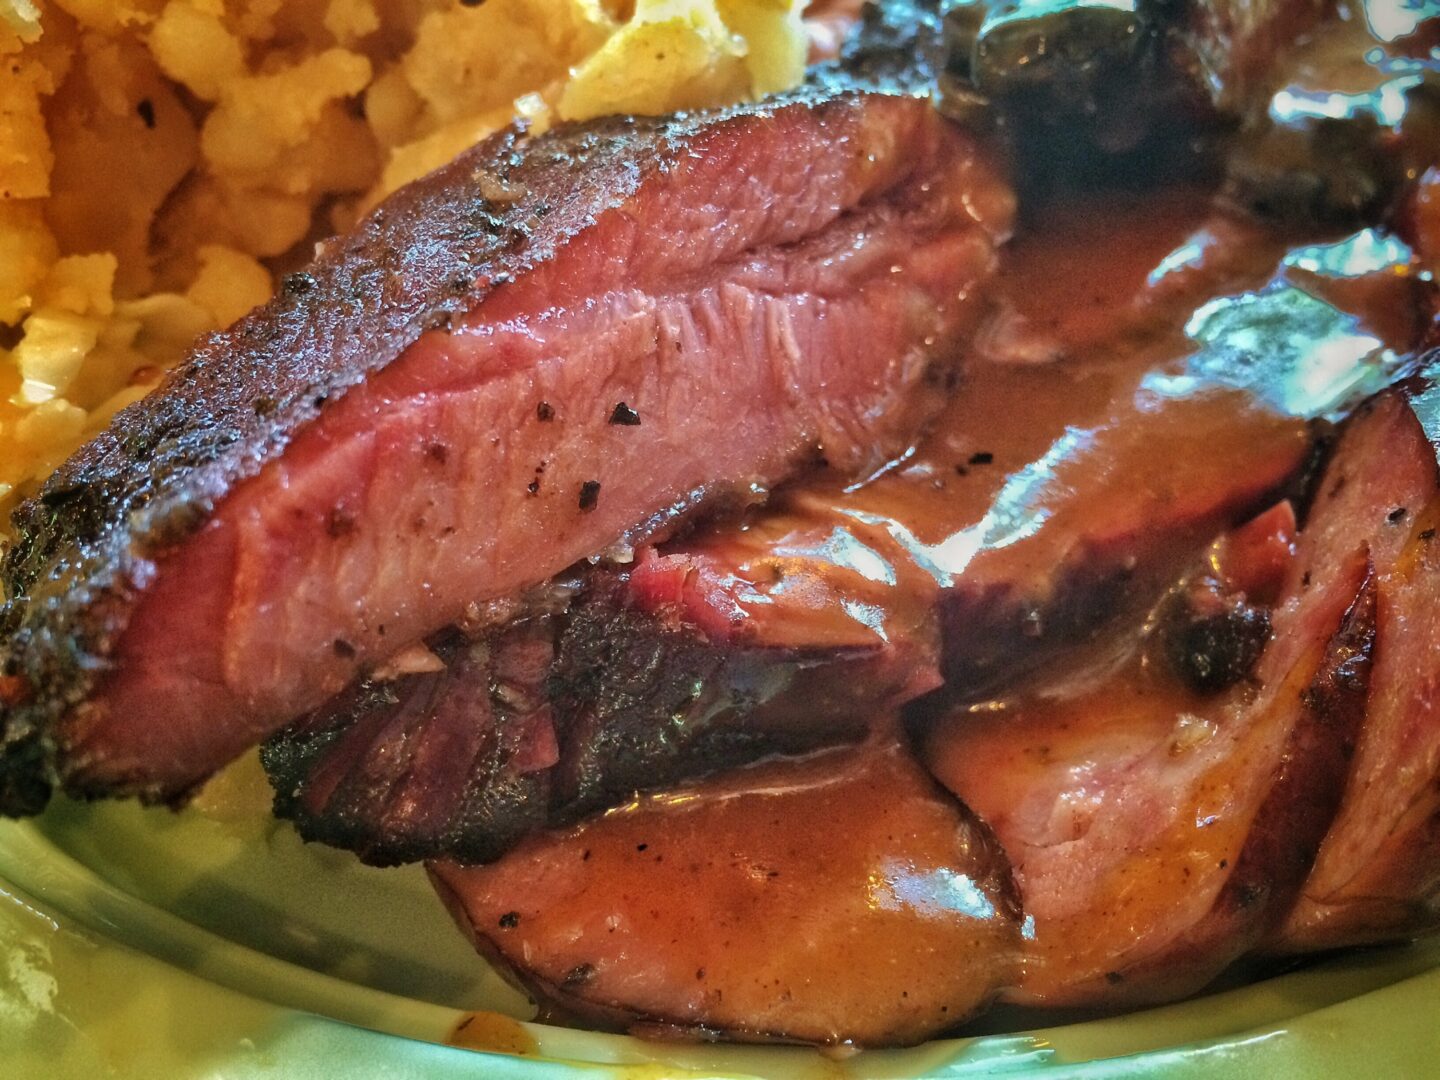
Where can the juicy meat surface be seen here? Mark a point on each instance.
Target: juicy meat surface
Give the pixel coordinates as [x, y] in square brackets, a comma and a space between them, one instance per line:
[1159, 834]
[1377, 875]
[442, 411]
[784, 636]
[841, 897]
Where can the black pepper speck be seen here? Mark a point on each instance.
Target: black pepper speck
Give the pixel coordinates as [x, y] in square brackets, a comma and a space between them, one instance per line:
[579, 975]
[624, 416]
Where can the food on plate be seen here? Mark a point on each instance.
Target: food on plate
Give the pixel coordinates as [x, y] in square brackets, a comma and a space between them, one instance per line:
[1157, 836]
[574, 343]
[829, 608]
[1136, 803]
[828, 930]
[833, 606]
[779, 590]
[1377, 873]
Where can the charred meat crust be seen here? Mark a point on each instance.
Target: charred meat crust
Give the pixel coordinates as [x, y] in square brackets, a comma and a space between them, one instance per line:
[635, 704]
[454, 760]
[86, 544]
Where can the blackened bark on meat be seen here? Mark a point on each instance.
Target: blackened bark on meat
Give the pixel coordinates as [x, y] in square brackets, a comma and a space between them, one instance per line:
[453, 761]
[1212, 640]
[464, 763]
[641, 704]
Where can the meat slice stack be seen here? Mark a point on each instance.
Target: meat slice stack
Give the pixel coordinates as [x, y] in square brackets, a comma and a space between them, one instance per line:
[1159, 833]
[1162, 812]
[797, 631]
[545, 350]
[801, 625]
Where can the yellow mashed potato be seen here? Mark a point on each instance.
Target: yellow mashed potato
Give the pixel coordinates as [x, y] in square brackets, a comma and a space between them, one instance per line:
[162, 160]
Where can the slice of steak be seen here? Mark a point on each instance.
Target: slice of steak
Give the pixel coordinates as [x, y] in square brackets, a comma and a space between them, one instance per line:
[541, 349]
[1160, 832]
[842, 898]
[465, 760]
[1377, 876]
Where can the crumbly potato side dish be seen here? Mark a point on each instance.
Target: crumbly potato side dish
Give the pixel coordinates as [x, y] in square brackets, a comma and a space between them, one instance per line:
[162, 160]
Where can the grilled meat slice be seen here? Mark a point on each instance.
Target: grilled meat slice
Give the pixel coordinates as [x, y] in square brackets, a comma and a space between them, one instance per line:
[453, 758]
[792, 629]
[803, 900]
[465, 760]
[1377, 876]
[426, 418]
[1159, 833]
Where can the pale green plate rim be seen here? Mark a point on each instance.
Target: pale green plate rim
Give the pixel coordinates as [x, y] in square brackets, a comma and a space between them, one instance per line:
[1363, 1014]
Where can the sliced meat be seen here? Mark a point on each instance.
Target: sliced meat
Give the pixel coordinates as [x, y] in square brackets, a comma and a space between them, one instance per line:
[646, 701]
[1097, 525]
[790, 630]
[1158, 833]
[805, 900]
[465, 761]
[1377, 876]
[1113, 466]
[791, 633]
[442, 410]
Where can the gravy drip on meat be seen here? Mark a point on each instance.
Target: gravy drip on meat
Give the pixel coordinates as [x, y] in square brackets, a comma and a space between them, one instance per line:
[1112, 404]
